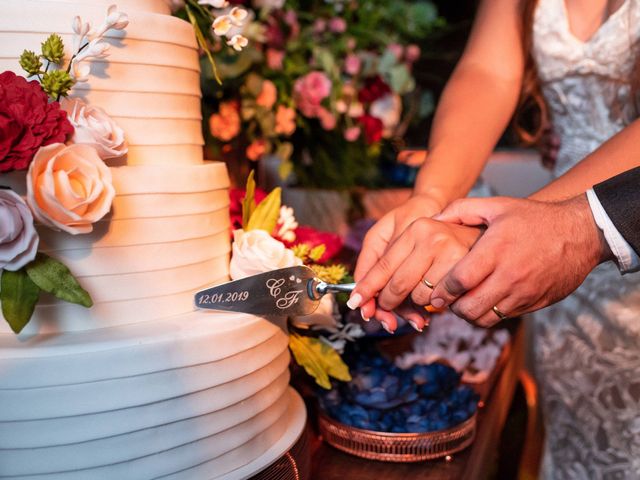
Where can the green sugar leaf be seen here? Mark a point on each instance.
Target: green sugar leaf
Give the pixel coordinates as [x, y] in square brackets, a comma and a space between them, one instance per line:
[30, 62]
[265, 216]
[19, 296]
[55, 278]
[53, 48]
[249, 200]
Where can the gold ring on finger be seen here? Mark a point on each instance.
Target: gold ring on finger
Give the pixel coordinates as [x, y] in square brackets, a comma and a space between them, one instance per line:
[500, 315]
[427, 283]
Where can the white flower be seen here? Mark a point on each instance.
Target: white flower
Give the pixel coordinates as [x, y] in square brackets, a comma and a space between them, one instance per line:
[388, 109]
[222, 25]
[95, 49]
[287, 224]
[238, 42]
[238, 15]
[214, 3]
[256, 252]
[80, 71]
[80, 31]
[115, 20]
[341, 334]
[18, 237]
[94, 127]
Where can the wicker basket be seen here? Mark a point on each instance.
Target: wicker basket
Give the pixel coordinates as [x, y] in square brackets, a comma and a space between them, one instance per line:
[397, 447]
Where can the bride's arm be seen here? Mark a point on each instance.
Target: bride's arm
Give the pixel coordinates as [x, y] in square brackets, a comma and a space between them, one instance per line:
[618, 154]
[476, 105]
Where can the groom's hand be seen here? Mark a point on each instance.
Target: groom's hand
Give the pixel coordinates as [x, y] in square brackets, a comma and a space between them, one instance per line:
[531, 255]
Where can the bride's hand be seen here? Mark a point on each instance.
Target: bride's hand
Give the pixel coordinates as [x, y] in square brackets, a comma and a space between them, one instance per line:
[427, 249]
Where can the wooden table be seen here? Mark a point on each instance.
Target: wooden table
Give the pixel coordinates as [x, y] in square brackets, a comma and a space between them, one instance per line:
[474, 463]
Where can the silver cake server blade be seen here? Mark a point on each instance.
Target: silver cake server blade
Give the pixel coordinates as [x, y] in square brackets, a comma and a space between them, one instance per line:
[289, 291]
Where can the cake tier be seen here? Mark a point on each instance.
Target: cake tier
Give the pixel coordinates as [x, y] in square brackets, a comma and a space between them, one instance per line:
[149, 84]
[194, 396]
[166, 238]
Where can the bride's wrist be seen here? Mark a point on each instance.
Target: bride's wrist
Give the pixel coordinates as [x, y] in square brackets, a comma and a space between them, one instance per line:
[435, 196]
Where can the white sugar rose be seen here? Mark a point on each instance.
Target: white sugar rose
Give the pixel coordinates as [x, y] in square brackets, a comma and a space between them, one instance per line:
[257, 252]
[94, 127]
[69, 187]
[18, 237]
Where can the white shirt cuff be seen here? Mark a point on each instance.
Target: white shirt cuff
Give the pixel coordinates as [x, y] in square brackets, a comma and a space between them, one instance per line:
[628, 259]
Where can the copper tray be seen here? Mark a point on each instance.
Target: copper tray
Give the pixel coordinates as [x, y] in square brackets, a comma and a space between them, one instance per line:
[397, 447]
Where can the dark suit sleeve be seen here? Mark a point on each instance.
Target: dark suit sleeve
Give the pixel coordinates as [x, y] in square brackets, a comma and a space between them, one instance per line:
[620, 198]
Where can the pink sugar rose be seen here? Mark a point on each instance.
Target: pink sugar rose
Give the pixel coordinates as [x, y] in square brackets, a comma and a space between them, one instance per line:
[256, 150]
[285, 120]
[352, 64]
[268, 95]
[275, 58]
[338, 25]
[225, 125]
[18, 237]
[69, 187]
[309, 92]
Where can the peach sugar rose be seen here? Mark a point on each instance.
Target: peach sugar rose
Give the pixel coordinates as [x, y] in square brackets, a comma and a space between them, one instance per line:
[69, 187]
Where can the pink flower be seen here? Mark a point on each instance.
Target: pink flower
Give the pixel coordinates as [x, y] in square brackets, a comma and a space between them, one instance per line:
[338, 25]
[352, 64]
[309, 92]
[291, 20]
[327, 119]
[225, 125]
[396, 49]
[352, 134]
[268, 95]
[275, 58]
[319, 26]
[285, 120]
[69, 187]
[413, 53]
[256, 150]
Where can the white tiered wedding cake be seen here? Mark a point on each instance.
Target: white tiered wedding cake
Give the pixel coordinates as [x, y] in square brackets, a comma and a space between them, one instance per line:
[140, 385]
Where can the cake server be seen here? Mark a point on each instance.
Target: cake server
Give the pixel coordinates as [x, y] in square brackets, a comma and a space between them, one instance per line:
[289, 291]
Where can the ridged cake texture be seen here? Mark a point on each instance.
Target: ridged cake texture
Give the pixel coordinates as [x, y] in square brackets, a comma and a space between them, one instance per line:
[141, 385]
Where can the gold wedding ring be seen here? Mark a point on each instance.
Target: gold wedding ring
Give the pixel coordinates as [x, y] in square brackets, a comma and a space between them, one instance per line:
[500, 315]
[427, 283]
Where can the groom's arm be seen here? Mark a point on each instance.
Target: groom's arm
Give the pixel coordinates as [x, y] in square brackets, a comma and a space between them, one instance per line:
[619, 199]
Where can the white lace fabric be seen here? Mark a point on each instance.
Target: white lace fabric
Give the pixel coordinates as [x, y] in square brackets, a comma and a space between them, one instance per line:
[588, 346]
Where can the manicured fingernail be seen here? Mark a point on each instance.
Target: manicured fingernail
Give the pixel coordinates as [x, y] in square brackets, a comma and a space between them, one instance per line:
[437, 302]
[355, 301]
[415, 326]
[386, 327]
[366, 319]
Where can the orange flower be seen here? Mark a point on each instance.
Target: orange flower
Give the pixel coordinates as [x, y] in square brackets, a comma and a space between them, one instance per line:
[225, 125]
[256, 150]
[285, 120]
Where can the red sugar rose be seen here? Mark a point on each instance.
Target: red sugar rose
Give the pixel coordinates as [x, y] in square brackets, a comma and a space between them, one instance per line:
[27, 121]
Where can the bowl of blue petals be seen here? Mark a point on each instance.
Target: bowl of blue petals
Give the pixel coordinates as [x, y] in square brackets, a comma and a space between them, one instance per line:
[390, 414]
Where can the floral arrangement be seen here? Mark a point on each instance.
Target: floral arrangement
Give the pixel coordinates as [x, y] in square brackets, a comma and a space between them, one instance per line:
[267, 237]
[385, 398]
[62, 147]
[324, 87]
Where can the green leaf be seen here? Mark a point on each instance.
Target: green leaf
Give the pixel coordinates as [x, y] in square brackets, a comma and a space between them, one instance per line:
[53, 48]
[249, 200]
[57, 83]
[30, 62]
[318, 359]
[400, 80]
[285, 169]
[18, 296]
[265, 216]
[54, 277]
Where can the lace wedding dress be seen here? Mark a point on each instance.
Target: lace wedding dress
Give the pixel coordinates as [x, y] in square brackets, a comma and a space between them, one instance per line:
[588, 346]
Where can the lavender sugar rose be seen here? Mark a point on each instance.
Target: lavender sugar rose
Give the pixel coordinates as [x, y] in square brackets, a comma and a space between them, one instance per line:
[18, 237]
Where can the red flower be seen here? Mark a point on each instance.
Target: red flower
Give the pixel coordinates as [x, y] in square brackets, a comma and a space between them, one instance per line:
[236, 195]
[27, 121]
[312, 237]
[374, 88]
[372, 127]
